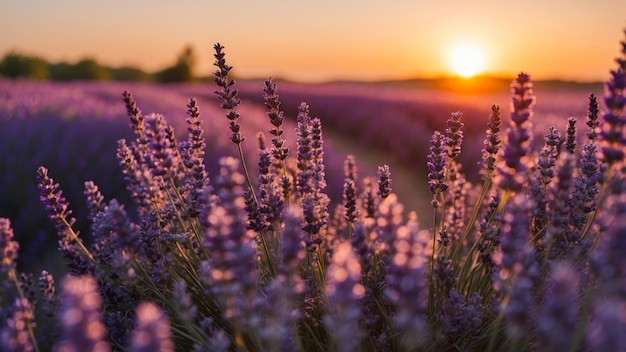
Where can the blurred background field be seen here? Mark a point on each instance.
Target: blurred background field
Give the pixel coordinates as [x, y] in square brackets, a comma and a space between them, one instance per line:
[72, 129]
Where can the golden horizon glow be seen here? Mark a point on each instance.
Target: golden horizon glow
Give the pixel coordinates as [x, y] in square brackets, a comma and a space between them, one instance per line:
[467, 60]
[326, 39]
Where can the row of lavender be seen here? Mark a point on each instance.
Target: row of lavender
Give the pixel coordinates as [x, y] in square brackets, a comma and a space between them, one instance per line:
[399, 120]
[531, 258]
[70, 127]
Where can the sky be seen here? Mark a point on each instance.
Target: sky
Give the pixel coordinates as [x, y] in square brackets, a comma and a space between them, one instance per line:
[326, 39]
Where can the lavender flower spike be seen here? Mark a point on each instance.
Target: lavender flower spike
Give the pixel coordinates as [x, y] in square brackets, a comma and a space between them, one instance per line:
[16, 335]
[436, 167]
[557, 320]
[384, 181]
[518, 268]
[514, 172]
[612, 130]
[56, 205]
[8, 247]
[136, 117]
[344, 291]
[80, 317]
[454, 134]
[493, 140]
[153, 330]
[407, 282]
[279, 151]
[227, 94]
[592, 118]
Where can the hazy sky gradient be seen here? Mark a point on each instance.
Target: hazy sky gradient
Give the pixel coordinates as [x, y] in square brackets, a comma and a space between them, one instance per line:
[325, 39]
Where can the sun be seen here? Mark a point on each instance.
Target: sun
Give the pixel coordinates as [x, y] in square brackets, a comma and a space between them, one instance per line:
[467, 60]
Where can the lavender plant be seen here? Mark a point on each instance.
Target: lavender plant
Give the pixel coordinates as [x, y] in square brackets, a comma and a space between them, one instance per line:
[529, 259]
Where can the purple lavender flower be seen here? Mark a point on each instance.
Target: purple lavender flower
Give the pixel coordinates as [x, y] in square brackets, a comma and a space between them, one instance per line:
[461, 319]
[384, 181]
[407, 282]
[195, 136]
[454, 135]
[292, 246]
[349, 196]
[231, 247]
[185, 308]
[493, 141]
[608, 323]
[585, 188]
[153, 330]
[612, 129]
[164, 155]
[17, 335]
[270, 203]
[137, 181]
[95, 200]
[592, 118]
[310, 177]
[118, 226]
[349, 189]
[275, 317]
[279, 151]
[444, 278]
[570, 144]
[27, 286]
[305, 153]
[544, 175]
[436, 167]
[490, 234]
[558, 317]
[56, 205]
[317, 146]
[48, 292]
[192, 154]
[559, 231]
[456, 202]
[8, 247]
[344, 290]
[217, 338]
[227, 95]
[517, 267]
[388, 221]
[368, 200]
[136, 117]
[80, 316]
[361, 244]
[513, 174]
[319, 173]
[608, 261]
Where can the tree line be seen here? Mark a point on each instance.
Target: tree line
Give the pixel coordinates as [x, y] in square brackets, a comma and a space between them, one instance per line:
[17, 65]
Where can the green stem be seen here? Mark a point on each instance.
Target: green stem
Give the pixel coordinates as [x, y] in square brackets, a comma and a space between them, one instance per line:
[80, 243]
[262, 235]
[470, 225]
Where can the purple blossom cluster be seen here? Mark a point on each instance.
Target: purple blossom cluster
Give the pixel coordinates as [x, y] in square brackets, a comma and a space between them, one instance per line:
[226, 259]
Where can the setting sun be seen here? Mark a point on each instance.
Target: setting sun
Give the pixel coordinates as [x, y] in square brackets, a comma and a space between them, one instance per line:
[467, 60]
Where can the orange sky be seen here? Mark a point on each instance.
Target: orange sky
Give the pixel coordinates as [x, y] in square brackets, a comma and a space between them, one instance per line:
[325, 39]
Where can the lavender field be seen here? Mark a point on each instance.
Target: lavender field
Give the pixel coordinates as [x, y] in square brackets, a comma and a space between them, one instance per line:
[373, 217]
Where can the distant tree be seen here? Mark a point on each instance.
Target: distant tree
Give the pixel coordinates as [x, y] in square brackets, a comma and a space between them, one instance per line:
[182, 71]
[61, 71]
[90, 69]
[129, 74]
[84, 70]
[16, 65]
